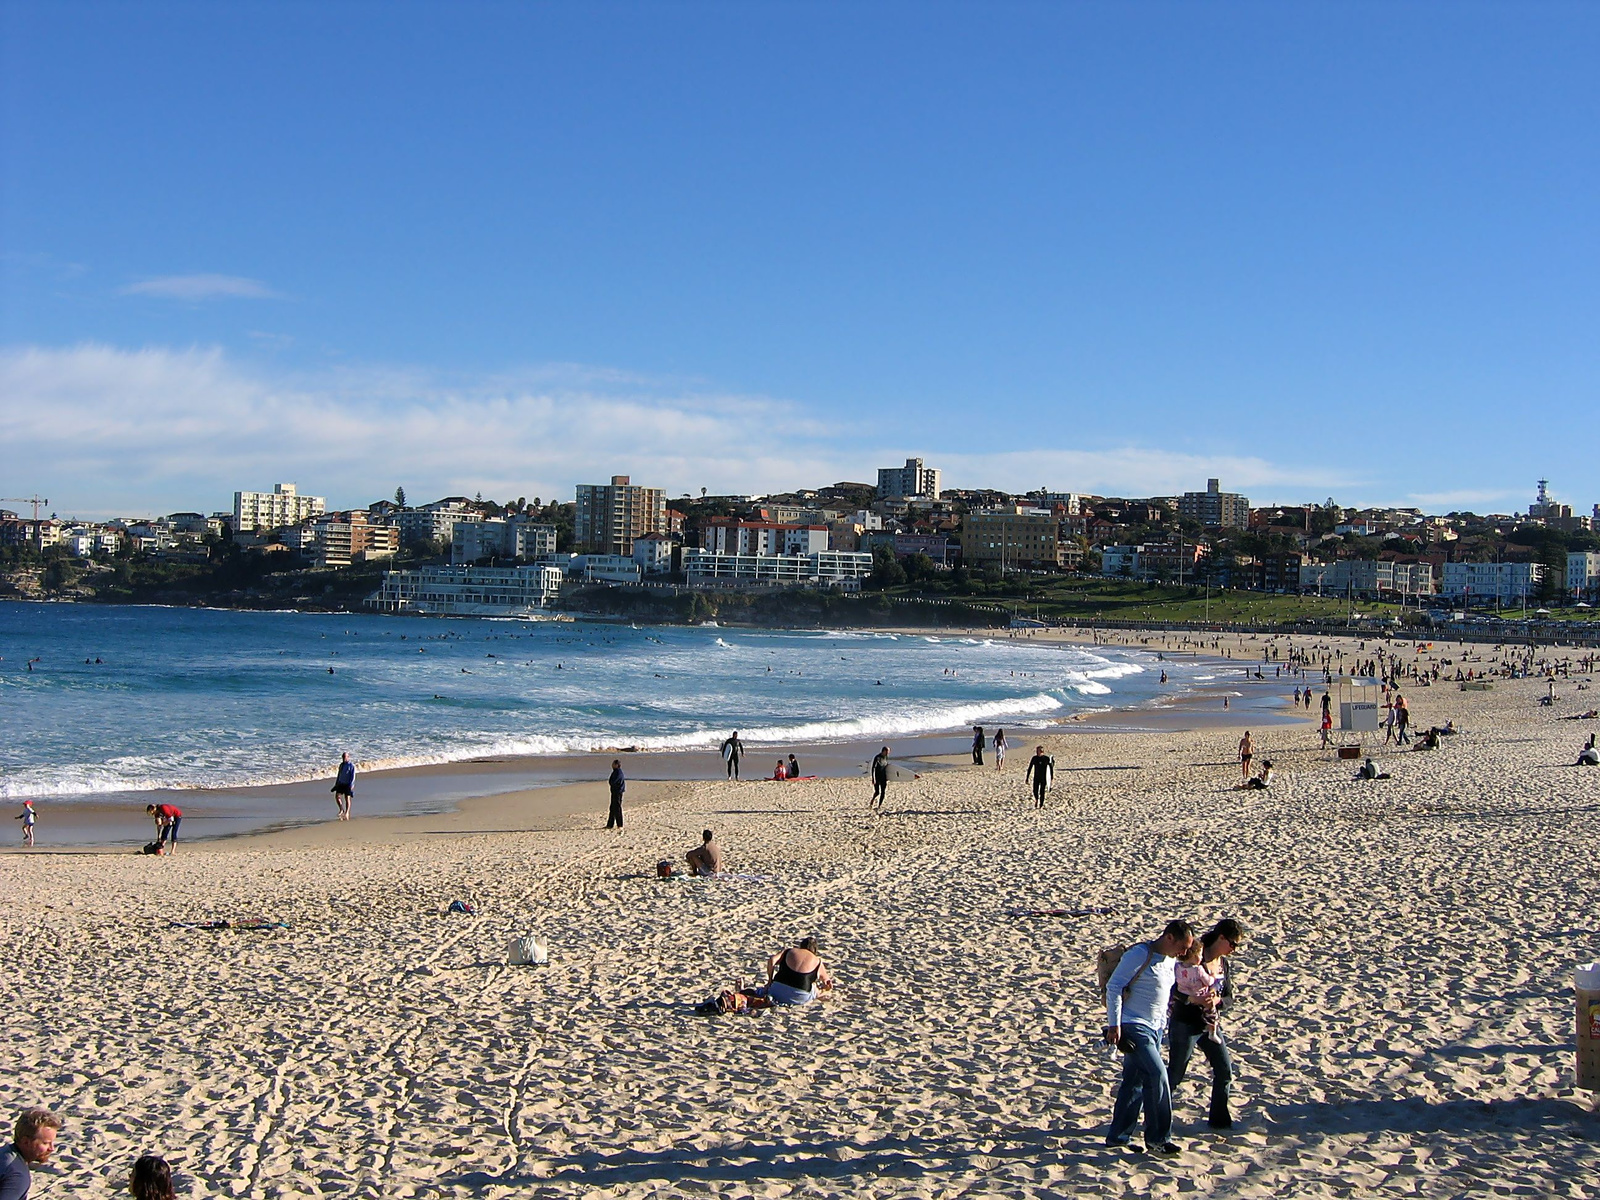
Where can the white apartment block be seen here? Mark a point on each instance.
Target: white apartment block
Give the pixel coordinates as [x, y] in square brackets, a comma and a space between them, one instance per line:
[830, 568]
[1505, 582]
[497, 538]
[283, 505]
[732, 536]
[913, 479]
[653, 553]
[1583, 575]
[433, 522]
[1367, 578]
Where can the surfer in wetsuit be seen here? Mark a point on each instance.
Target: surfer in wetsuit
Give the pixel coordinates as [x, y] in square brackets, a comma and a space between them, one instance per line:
[731, 750]
[1041, 770]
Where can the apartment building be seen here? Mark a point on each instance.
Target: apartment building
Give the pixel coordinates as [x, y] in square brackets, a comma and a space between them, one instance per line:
[282, 506]
[1215, 508]
[1012, 537]
[513, 537]
[913, 479]
[434, 522]
[1502, 582]
[1583, 575]
[339, 539]
[728, 535]
[1367, 578]
[469, 591]
[610, 516]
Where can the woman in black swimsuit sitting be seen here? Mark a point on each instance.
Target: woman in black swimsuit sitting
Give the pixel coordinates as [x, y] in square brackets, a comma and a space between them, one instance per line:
[795, 975]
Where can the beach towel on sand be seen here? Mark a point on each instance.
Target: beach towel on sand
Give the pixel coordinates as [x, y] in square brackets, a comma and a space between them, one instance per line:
[225, 923]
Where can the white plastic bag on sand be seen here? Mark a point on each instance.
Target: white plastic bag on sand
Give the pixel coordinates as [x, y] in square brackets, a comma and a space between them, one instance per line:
[528, 951]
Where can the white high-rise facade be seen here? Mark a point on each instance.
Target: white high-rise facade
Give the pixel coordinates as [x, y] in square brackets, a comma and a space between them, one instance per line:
[283, 505]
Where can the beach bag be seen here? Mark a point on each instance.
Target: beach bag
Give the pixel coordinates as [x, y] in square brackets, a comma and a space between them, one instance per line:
[528, 951]
[1105, 967]
[664, 869]
[463, 906]
[152, 848]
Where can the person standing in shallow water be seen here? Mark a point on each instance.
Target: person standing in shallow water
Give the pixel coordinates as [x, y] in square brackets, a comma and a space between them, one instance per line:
[619, 784]
[977, 745]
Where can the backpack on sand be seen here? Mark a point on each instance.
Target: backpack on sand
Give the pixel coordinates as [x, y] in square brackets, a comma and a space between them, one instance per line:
[1105, 966]
[528, 951]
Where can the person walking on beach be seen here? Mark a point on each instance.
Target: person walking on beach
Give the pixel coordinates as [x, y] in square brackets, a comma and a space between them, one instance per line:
[977, 745]
[167, 817]
[344, 786]
[1246, 753]
[33, 1141]
[1041, 770]
[619, 784]
[27, 817]
[1402, 720]
[880, 777]
[731, 750]
[1196, 1024]
[999, 749]
[1136, 1014]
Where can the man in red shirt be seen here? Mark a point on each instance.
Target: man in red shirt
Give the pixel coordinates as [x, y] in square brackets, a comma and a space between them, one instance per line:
[168, 818]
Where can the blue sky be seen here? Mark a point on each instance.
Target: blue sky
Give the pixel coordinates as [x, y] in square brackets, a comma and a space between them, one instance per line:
[1317, 250]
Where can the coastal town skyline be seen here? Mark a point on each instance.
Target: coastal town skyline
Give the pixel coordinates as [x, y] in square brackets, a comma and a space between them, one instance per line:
[1314, 252]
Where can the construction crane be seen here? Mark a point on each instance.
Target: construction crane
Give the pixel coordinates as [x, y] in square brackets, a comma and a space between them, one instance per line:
[36, 500]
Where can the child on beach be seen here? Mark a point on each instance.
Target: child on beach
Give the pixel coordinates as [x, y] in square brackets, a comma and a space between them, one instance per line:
[27, 817]
[1201, 987]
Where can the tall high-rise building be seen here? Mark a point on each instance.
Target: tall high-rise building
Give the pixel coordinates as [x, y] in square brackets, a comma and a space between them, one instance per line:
[610, 515]
[913, 479]
[1215, 508]
[283, 505]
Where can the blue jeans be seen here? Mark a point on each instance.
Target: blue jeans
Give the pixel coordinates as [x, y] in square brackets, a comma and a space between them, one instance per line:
[1182, 1037]
[1144, 1083]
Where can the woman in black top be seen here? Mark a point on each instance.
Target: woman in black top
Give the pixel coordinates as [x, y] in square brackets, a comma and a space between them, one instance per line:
[1188, 1025]
[795, 974]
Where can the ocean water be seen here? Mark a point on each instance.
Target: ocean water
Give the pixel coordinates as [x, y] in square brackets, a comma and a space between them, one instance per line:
[187, 698]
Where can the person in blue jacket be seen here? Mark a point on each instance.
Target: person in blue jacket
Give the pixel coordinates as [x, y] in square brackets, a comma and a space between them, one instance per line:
[344, 785]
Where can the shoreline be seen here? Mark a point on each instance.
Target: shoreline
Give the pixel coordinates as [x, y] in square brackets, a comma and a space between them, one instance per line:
[447, 794]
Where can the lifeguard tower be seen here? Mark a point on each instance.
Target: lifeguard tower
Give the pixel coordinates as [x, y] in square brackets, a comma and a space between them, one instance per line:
[1359, 698]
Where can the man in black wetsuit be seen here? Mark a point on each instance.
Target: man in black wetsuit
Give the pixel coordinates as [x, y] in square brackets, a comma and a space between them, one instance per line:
[1040, 769]
[731, 750]
[880, 777]
[977, 745]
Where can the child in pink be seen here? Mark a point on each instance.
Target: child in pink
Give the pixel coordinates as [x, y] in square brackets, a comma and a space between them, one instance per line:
[1203, 989]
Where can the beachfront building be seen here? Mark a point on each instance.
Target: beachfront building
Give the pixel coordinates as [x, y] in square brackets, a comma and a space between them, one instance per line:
[1583, 575]
[1215, 508]
[1175, 562]
[825, 568]
[1013, 536]
[729, 535]
[913, 479]
[609, 516]
[282, 506]
[469, 591]
[435, 522]
[1500, 582]
[1367, 578]
[510, 537]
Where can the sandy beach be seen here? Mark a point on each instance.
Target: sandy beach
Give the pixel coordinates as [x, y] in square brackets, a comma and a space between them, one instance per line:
[1404, 1026]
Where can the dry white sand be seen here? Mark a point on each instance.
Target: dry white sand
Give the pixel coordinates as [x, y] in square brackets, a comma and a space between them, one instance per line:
[1405, 1025]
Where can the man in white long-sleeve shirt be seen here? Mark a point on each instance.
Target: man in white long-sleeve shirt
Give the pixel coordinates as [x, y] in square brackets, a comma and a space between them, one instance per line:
[1136, 1014]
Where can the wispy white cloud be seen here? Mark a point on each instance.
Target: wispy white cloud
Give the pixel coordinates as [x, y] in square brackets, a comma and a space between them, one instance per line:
[109, 430]
[201, 287]
[1464, 499]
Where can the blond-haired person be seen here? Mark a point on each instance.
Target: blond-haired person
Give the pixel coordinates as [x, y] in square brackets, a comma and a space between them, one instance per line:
[33, 1141]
